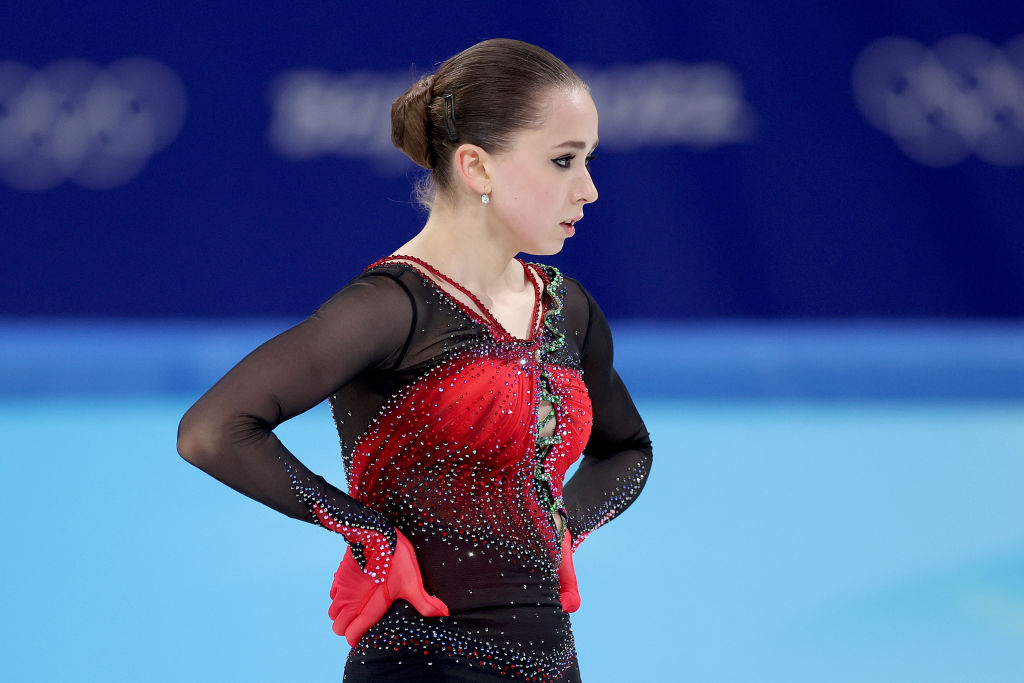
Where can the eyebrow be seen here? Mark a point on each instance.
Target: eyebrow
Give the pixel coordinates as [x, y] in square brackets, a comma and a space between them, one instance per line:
[575, 144]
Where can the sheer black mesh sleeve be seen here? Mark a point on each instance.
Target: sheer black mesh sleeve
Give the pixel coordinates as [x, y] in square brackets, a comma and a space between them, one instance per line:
[229, 431]
[617, 458]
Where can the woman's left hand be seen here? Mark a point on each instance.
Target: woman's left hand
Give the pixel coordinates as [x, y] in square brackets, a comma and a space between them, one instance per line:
[569, 591]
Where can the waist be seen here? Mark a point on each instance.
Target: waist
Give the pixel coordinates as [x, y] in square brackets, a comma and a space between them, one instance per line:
[479, 572]
[531, 641]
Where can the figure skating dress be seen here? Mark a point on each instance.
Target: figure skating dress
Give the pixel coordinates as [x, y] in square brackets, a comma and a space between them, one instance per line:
[456, 434]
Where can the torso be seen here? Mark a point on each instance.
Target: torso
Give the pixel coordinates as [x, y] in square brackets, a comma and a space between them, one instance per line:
[520, 314]
[462, 457]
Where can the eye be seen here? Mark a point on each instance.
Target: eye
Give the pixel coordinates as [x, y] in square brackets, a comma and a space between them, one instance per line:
[563, 162]
[566, 161]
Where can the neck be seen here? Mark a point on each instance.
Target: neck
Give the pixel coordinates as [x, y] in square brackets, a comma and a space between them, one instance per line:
[462, 243]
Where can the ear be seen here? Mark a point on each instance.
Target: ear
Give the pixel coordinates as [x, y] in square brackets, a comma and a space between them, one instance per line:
[471, 163]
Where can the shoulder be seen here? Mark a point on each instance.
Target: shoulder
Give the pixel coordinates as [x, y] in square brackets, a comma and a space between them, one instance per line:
[380, 289]
[561, 284]
[578, 309]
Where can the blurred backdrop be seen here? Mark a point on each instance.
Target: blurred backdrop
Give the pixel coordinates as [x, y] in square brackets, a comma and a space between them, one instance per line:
[809, 241]
[802, 159]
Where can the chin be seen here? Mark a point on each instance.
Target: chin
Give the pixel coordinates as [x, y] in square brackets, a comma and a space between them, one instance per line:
[544, 249]
[543, 252]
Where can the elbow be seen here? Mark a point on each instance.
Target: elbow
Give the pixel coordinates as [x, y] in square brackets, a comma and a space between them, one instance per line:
[647, 448]
[197, 441]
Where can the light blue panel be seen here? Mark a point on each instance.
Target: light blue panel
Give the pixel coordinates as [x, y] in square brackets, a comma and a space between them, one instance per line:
[784, 542]
[133, 565]
[808, 542]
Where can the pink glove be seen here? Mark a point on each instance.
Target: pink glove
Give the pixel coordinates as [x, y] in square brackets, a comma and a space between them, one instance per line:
[357, 603]
[569, 593]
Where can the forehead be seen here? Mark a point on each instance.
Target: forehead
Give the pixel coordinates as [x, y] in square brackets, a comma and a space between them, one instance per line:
[567, 116]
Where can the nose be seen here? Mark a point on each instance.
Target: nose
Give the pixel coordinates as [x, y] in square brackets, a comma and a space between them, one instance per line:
[586, 191]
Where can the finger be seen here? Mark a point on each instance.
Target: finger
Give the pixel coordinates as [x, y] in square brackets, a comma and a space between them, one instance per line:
[371, 613]
[570, 601]
[352, 597]
[342, 618]
[569, 594]
[567, 544]
[566, 570]
[348, 570]
[338, 607]
[350, 586]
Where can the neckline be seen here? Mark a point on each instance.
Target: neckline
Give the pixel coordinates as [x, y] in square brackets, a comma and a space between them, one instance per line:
[483, 315]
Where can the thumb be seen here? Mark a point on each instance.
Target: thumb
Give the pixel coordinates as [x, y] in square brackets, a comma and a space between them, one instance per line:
[406, 581]
[426, 604]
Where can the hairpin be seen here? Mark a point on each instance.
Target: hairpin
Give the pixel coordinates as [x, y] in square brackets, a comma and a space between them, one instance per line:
[449, 116]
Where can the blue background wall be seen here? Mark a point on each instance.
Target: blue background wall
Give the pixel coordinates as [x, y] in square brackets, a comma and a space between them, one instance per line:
[798, 206]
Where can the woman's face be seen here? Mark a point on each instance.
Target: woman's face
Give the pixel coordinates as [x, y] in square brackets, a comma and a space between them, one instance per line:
[539, 186]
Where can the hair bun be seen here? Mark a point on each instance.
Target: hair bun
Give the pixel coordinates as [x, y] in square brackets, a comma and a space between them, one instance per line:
[410, 123]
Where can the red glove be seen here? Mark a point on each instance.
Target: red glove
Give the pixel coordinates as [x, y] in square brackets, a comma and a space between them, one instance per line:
[569, 593]
[357, 603]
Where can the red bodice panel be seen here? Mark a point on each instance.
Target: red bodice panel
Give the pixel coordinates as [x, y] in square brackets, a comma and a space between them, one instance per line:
[460, 444]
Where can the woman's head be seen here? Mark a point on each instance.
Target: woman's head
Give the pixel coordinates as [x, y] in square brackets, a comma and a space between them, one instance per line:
[482, 96]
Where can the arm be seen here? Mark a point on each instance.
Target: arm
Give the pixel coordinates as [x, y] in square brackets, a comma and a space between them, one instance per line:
[229, 431]
[229, 434]
[617, 458]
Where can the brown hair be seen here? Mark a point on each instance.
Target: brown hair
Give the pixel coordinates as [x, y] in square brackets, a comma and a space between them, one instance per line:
[495, 90]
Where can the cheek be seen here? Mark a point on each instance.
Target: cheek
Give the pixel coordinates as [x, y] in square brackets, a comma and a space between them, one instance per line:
[532, 198]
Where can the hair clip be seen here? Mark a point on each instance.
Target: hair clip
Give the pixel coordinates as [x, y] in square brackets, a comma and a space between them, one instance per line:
[449, 116]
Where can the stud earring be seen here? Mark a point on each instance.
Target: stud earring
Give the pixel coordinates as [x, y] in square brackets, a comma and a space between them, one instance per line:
[485, 198]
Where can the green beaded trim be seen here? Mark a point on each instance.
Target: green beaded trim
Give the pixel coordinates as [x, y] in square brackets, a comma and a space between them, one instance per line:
[548, 396]
[555, 342]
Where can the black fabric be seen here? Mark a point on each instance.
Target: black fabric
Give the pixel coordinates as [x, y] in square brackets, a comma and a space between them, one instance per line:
[376, 667]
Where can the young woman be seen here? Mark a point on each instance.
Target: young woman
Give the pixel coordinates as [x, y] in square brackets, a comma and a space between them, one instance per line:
[464, 382]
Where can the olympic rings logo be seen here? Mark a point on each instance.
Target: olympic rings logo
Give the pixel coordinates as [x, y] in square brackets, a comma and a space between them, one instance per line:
[74, 120]
[963, 96]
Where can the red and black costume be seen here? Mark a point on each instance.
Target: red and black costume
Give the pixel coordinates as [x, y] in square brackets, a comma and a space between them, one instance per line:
[456, 437]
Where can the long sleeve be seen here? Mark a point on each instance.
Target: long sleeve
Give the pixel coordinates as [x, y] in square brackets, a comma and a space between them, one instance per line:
[617, 458]
[229, 431]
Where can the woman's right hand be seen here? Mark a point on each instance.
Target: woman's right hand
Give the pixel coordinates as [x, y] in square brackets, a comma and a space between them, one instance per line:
[357, 602]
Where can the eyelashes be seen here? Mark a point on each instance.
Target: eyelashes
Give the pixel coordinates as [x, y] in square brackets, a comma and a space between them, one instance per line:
[566, 161]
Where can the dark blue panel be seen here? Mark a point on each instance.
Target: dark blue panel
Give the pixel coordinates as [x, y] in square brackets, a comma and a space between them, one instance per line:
[813, 211]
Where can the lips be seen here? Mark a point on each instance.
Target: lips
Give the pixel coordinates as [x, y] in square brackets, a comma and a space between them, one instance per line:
[570, 225]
